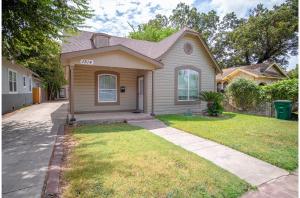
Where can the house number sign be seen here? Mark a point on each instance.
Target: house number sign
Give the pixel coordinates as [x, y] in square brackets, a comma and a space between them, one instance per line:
[86, 62]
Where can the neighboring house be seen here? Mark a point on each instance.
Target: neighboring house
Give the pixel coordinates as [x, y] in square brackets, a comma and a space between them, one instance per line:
[17, 84]
[109, 73]
[262, 74]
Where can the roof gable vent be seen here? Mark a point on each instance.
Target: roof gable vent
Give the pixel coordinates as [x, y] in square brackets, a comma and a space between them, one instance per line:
[100, 40]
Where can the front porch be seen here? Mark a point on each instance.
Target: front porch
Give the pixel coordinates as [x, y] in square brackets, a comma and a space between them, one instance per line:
[110, 117]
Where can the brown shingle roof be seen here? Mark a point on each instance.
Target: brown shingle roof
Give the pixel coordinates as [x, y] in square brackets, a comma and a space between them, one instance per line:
[153, 50]
[256, 69]
[82, 41]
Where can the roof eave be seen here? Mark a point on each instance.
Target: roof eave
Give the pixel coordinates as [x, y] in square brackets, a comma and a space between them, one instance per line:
[123, 48]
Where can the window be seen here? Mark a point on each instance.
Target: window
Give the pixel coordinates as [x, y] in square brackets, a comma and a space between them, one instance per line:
[12, 81]
[24, 81]
[107, 88]
[30, 85]
[188, 85]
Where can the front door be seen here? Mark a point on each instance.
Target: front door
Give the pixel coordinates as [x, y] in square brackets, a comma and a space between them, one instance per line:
[141, 93]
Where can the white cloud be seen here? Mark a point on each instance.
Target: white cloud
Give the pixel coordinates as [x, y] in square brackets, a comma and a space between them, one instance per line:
[134, 12]
[240, 7]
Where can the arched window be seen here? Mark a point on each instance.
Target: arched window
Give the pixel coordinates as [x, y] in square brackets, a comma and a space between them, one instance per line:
[188, 84]
[107, 88]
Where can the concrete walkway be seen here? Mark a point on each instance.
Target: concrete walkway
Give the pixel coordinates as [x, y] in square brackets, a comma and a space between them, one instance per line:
[252, 170]
[282, 187]
[28, 136]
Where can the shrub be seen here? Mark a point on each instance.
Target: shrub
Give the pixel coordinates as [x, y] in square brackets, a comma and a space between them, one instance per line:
[214, 102]
[245, 93]
[282, 90]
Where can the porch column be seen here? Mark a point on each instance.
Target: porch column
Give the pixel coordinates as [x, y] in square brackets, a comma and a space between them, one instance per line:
[152, 95]
[71, 86]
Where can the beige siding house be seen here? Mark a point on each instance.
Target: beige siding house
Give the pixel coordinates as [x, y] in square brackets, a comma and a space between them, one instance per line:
[261, 74]
[111, 74]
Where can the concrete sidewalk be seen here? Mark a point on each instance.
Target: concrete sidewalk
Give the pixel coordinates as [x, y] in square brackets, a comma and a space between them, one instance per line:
[252, 170]
[282, 187]
[28, 136]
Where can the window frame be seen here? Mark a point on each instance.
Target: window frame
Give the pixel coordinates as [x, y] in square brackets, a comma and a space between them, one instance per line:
[24, 81]
[97, 82]
[14, 91]
[186, 102]
[30, 84]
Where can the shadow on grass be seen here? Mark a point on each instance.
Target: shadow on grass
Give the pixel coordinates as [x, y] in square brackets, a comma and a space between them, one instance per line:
[169, 119]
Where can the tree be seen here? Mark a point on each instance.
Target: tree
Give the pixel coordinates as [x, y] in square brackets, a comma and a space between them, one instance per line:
[185, 16]
[294, 72]
[32, 30]
[267, 35]
[47, 66]
[155, 30]
[223, 48]
[282, 90]
[26, 24]
[245, 93]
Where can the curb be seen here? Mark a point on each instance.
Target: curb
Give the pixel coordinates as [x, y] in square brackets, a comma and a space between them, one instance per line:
[51, 185]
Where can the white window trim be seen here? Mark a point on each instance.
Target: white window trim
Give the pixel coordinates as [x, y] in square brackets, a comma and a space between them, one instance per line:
[188, 86]
[116, 88]
[13, 92]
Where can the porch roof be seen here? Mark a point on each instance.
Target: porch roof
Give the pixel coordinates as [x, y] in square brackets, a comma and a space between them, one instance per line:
[112, 56]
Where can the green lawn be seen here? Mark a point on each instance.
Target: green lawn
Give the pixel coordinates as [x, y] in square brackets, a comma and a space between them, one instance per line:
[120, 160]
[272, 140]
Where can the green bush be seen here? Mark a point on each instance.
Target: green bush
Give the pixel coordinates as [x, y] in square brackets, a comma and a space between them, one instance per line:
[214, 102]
[245, 93]
[282, 90]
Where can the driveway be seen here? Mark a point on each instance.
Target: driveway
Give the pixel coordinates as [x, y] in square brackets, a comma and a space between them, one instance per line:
[28, 137]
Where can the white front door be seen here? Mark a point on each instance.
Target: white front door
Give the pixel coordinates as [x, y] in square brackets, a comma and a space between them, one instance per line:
[141, 93]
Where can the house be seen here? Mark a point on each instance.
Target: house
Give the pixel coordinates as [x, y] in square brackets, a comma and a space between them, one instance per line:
[17, 85]
[111, 74]
[262, 74]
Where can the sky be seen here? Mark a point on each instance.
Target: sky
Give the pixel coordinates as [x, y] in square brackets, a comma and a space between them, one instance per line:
[114, 16]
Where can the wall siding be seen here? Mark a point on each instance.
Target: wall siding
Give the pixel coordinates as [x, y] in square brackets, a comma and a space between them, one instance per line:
[164, 79]
[20, 73]
[23, 97]
[84, 89]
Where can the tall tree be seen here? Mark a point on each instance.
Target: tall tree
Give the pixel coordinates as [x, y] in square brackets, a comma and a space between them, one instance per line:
[155, 30]
[222, 46]
[267, 35]
[293, 73]
[31, 31]
[26, 24]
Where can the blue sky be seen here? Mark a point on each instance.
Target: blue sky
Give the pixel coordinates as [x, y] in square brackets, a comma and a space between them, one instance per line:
[113, 16]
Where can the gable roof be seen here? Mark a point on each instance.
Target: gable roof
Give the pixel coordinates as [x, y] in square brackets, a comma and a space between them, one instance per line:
[256, 70]
[8, 63]
[153, 50]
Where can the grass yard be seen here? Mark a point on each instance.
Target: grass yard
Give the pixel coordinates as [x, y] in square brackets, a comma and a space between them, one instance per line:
[120, 160]
[272, 140]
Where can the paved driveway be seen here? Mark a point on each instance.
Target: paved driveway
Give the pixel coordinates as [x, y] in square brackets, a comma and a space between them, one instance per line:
[27, 141]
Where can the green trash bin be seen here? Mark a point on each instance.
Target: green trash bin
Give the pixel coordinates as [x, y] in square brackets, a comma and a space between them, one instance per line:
[283, 109]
